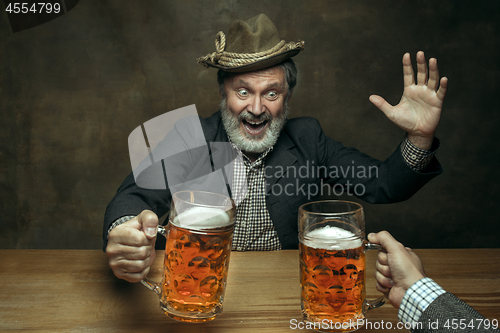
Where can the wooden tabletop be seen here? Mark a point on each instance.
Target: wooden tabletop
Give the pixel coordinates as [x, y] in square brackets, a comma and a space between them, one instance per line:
[75, 291]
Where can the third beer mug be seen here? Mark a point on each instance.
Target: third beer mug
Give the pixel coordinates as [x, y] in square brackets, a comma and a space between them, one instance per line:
[332, 265]
[199, 235]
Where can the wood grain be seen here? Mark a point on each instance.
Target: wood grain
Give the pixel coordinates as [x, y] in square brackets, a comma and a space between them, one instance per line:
[75, 291]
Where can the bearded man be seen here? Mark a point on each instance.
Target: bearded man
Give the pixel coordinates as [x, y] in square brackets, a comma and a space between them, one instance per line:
[256, 79]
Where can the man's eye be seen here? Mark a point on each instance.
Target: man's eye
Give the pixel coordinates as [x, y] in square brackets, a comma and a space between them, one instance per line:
[272, 94]
[243, 92]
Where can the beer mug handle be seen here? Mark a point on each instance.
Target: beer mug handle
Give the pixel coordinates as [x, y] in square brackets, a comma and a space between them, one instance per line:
[148, 283]
[378, 302]
[371, 246]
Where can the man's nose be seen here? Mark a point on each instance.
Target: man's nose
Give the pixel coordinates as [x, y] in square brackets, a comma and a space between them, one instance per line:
[256, 107]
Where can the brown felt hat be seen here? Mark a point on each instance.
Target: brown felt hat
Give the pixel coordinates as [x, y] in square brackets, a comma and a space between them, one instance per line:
[250, 45]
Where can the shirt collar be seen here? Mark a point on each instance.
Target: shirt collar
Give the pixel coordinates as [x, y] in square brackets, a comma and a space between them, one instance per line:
[247, 161]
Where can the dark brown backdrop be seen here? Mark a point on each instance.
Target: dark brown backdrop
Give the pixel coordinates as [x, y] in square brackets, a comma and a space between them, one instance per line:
[73, 89]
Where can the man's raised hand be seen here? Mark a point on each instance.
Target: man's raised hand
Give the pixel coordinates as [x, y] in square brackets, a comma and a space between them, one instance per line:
[419, 111]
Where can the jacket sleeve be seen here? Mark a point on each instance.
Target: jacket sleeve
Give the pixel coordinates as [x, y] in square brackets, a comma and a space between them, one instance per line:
[304, 159]
[370, 179]
[183, 159]
[447, 313]
[131, 199]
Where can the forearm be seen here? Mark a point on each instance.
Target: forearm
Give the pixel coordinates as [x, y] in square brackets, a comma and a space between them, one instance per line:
[424, 143]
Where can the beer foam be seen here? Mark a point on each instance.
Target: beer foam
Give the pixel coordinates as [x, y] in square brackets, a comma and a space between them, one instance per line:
[202, 218]
[332, 238]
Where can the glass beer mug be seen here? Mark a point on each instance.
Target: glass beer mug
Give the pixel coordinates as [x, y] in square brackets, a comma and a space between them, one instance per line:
[199, 235]
[332, 265]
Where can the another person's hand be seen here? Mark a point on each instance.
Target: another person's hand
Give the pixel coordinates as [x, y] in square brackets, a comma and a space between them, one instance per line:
[419, 111]
[131, 247]
[398, 267]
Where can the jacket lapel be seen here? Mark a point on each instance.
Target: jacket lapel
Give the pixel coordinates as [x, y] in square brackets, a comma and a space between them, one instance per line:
[279, 159]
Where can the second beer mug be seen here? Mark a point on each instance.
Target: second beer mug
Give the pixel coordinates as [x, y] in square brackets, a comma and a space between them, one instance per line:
[332, 265]
[199, 236]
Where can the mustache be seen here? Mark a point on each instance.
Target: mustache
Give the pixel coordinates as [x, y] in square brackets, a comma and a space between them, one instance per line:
[248, 116]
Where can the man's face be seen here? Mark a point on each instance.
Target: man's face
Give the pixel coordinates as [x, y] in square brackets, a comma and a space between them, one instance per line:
[254, 109]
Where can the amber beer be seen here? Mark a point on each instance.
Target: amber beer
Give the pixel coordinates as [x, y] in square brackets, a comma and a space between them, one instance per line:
[332, 265]
[196, 265]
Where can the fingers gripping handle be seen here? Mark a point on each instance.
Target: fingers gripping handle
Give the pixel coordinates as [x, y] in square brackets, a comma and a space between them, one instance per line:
[148, 283]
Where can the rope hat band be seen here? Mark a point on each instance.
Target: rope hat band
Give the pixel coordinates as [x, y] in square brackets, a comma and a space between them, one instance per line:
[259, 45]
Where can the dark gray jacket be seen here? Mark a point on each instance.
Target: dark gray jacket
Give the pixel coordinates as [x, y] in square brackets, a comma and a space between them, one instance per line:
[447, 313]
[303, 149]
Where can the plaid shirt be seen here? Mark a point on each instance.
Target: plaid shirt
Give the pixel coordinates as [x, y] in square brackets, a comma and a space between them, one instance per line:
[254, 230]
[415, 157]
[416, 299]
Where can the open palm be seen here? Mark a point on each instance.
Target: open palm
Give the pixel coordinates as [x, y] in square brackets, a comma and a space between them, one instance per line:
[419, 111]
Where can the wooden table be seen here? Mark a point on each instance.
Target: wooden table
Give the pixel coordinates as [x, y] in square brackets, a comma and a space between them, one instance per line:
[75, 291]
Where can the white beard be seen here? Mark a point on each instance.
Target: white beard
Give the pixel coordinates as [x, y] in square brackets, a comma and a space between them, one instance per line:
[251, 144]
